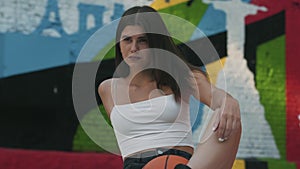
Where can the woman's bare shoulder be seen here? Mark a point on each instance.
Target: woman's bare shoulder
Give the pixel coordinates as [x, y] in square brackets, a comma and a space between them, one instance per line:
[105, 86]
[104, 90]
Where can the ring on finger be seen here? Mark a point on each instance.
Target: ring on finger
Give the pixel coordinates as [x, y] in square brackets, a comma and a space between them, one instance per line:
[221, 139]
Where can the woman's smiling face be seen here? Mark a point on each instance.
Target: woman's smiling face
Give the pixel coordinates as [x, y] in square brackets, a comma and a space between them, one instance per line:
[134, 45]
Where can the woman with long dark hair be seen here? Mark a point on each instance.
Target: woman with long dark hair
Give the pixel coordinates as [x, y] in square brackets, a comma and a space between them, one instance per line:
[147, 100]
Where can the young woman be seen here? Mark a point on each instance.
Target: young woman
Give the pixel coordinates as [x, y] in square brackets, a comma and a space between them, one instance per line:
[148, 99]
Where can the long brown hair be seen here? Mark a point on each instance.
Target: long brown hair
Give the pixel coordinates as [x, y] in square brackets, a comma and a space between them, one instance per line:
[158, 38]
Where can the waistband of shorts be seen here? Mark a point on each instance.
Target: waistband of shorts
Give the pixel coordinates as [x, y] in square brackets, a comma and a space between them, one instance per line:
[148, 155]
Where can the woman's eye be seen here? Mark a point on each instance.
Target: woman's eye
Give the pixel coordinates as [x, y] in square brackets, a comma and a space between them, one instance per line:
[126, 39]
[143, 40]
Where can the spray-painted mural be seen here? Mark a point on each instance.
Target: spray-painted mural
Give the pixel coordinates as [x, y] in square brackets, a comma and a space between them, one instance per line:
[256, 40]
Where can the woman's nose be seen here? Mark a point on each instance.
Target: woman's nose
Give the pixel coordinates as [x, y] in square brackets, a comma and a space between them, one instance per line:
[134, 47]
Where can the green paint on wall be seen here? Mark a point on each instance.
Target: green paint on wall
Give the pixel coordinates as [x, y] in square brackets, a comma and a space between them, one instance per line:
[108, 52]
[280, 164]
[91, 121]
[192, 14]
[82, 142]
[270, 82]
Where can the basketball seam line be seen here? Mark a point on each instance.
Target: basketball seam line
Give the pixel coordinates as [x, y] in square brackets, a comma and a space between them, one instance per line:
[166, 165]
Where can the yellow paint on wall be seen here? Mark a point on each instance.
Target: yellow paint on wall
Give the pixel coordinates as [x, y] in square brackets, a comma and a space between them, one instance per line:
[161, 4]
[239, 164]
[214, 68]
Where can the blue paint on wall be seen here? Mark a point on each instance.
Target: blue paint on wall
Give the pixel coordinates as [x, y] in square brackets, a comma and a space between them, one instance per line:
[196, 110]
[196, 113]
[213, 26]
[85, 10]
[118, 11]
[26, 53]
[97, 42]
[47, 22]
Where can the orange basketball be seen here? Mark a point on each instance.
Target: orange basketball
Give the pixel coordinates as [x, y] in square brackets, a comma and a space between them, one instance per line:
[165, 162]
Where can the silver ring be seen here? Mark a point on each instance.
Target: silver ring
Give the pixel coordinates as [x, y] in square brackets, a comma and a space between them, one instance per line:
[221, 139]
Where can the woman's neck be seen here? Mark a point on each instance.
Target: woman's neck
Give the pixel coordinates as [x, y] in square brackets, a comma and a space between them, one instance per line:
[140, 78]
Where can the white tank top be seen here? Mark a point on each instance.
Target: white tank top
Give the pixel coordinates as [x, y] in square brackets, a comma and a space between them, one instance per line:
[153, 123]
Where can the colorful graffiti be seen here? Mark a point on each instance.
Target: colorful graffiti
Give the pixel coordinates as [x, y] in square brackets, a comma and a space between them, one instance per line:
[257, 41]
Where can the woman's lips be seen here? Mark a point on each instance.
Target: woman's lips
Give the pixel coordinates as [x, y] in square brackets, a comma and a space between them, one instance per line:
[134, 57]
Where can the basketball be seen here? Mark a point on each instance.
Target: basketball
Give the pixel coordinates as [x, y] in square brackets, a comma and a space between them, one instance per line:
[165, 162]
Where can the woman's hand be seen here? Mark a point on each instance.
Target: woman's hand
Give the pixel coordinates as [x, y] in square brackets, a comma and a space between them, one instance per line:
[228, 119]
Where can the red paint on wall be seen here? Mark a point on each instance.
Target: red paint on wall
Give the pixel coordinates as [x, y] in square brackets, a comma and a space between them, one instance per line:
[32, 159]
[292, 28]
[293, 79]
[273, 8]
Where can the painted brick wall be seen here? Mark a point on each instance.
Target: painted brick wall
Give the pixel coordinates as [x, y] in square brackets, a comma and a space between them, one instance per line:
[271, 90]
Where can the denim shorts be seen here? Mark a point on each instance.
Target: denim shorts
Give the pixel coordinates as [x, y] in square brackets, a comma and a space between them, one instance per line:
[140, 160]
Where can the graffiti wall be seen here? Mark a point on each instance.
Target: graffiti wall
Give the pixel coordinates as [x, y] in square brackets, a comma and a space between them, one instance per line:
[257, 42]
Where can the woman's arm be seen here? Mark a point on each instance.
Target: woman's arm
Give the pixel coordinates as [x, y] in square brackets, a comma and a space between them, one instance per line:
[213, 152]
[229, 116]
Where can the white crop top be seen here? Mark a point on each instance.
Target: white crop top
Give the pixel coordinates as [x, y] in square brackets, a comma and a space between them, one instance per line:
[157, 122]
